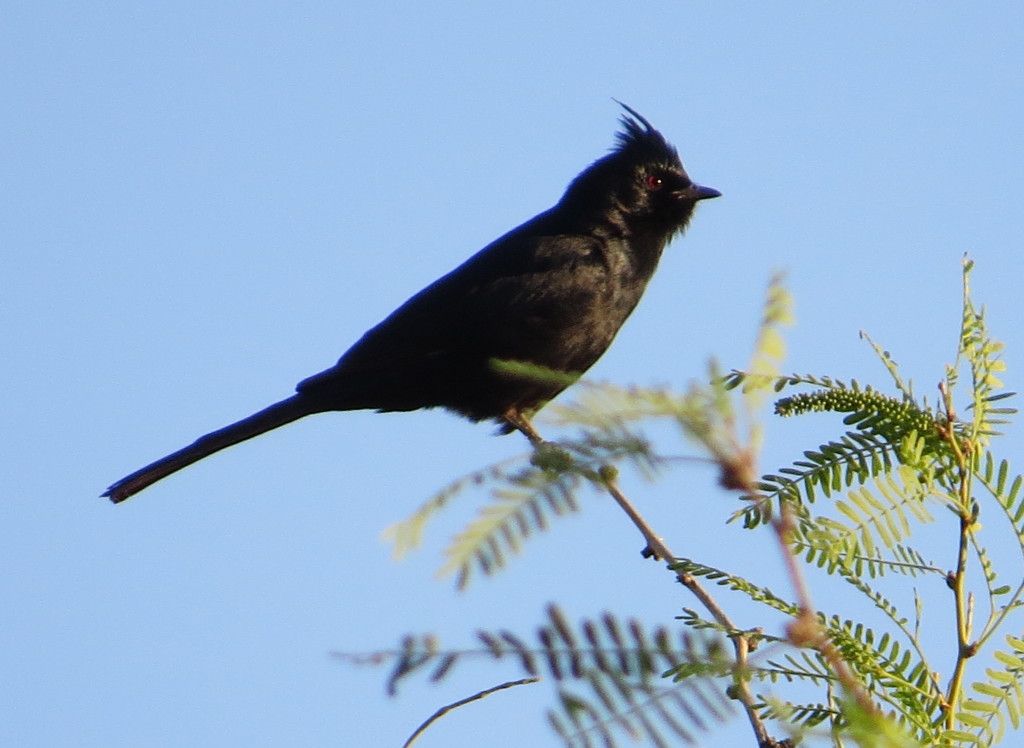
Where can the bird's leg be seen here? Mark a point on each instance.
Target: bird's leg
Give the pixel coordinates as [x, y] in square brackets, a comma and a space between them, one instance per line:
[548, 456]
[514, 418]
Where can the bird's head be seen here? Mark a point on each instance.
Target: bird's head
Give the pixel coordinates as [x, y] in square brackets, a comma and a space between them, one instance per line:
[640, 187]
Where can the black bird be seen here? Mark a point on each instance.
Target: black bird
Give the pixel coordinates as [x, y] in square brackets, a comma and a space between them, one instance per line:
[551, 293]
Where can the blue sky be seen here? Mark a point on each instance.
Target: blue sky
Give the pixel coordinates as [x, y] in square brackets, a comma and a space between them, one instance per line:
[203, 203]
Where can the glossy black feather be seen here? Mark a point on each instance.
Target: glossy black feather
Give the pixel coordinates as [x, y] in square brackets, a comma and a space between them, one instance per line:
[553, 292]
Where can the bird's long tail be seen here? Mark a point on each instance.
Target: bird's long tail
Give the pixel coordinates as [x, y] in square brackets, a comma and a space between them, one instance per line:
[278, 414]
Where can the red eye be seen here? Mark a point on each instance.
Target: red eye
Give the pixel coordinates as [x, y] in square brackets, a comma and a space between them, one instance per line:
[654, 182]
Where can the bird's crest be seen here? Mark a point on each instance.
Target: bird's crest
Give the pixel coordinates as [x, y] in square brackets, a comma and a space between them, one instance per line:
[638, 139]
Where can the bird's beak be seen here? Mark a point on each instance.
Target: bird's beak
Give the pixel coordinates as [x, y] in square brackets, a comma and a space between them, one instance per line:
[699, 192]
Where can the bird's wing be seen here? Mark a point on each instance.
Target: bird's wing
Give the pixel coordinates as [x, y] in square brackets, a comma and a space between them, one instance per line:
[497, 302]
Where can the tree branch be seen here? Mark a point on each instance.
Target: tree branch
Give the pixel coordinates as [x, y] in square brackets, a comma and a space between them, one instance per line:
[657, 546]
[461, 702]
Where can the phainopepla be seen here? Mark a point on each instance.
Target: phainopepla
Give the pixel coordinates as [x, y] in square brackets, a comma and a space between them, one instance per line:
[551, 293]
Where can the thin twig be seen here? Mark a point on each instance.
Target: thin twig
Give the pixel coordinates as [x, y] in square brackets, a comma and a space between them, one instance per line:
[475, 697]
[957, 580]
[806, 630]
[740, 643]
